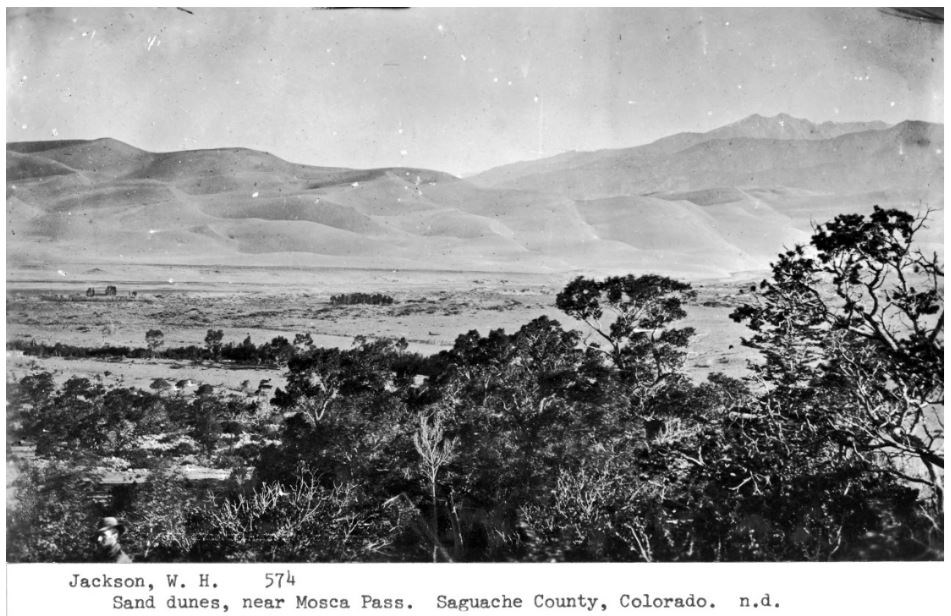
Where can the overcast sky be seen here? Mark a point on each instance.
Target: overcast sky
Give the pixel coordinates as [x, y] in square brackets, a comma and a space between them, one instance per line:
[459, 90]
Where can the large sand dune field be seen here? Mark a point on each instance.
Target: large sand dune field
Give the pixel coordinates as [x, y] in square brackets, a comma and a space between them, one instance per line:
[691, 205]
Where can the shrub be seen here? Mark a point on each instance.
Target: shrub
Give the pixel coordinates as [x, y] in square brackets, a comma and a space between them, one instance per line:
[296, 522]
[53, 514]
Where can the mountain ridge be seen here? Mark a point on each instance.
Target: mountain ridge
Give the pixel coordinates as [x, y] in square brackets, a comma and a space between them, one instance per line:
[751, 126]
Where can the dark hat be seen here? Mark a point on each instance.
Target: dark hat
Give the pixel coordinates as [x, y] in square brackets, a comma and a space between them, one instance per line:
[110, 523]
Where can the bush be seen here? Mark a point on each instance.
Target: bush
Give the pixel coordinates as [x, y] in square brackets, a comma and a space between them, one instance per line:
[53, 515]
[296, 522]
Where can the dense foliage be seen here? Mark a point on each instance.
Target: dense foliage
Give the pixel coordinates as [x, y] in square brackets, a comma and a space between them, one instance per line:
[344, 299]
[543, 443]
[277, 351]
[852, 335]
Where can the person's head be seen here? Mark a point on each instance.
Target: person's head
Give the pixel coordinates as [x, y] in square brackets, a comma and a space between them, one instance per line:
[108, 533]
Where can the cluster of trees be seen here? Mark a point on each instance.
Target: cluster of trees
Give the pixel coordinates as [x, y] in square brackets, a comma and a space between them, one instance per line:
[553, 444]
[275, 352]
[109, 292]
[59, 349]
[84, 421]
[378, 299]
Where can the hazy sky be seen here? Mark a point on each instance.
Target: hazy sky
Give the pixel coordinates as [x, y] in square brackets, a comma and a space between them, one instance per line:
[459, 90]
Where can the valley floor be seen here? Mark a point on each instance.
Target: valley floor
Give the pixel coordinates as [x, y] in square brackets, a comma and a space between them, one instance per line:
[430, 310]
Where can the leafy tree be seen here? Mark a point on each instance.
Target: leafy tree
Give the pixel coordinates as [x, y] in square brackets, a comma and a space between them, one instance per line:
[632, 316]
[347, 418]
[83, 417]
[519, 407]
[32, 390]
[49, 518]
[205, 422]
[303, 343]
[851, 331]
[318, 377]
[159, 384]
[128, 414]
[849, 420]
[246, 352]
[213, 342]
[154, 338]
[278, 351]
[165, 514]
[70, 421]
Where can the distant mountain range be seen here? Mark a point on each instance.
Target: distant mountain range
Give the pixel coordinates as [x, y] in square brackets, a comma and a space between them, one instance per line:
[692, 204]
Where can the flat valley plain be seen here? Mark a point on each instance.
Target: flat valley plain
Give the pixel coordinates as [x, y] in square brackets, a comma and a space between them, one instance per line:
[430, 309]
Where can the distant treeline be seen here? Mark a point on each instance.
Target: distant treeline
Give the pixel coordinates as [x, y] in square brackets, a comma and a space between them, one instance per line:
[37, 349]
[278, 351]
[275, 351]
[345, 299]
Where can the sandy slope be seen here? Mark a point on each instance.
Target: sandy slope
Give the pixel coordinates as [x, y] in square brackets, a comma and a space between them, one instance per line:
[692, 205]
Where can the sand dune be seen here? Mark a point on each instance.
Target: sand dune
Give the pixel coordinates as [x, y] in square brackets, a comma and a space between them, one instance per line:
[696, 205]
[26, 166]
[107, 158]
[298, 207]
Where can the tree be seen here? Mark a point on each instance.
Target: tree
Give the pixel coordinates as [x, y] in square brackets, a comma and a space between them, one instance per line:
[852, 329]
[127, 415]
[53, 504]
[519, 407]
[279, 350]
[71, 421]
[303, 342]
[632, 315]
[246, 352]
[345, 417]
[154, 339]
[159, 384]
[318, 377]
[205, 422]
[34, 390]
[435, 451]
[83, 418]
[297, 520]
[167, 515]
[213, 342]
